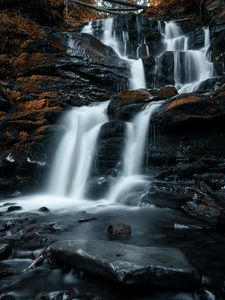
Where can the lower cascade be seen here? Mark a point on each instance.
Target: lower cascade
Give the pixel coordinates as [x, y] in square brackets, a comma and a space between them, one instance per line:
[74, 156]
[136, 136]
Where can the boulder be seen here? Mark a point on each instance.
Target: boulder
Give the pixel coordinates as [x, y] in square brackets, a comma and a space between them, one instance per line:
[72, 55]
[129, 264]
[184, 113]
[127, 103]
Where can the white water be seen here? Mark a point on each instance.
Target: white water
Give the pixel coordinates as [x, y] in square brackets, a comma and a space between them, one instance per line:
[131, 177]
[74, 156]
[196, 67]
[137, 72]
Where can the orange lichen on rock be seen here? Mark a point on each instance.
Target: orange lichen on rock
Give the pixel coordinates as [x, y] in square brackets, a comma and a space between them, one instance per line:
[179, 102]
[34, 104]
[23, 135]
[134, 96]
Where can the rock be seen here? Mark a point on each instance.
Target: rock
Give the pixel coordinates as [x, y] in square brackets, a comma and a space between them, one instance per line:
[125, 105]
[128, 97]
[192, 111]
[165, 70]
[206, 210]
[119, 230]
[5, 270]
[72, 55]
[128, 264]
[167, 92]
[221, 222]
[5, 251]
[44, 209]
[14, 208]
[108, 156]
[58, 295]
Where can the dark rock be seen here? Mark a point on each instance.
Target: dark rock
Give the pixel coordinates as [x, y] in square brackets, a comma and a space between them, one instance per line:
[108, 156]
[58, 295]
[5, 251]
[206, 210]
[87, 220]
[119, 230]
[97, 186]
[165, 69]
[44, 209]
[5, 270]
[14, 208]
[221, 222]
[125, 105]
[74, 54]
[167, 92]
[192, 112]
[128, 264]
[217, 48]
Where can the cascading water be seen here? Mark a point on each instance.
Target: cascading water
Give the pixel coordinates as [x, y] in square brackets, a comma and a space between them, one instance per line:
[136, 135]
[137, 72]
[191, 67]
[74, 157]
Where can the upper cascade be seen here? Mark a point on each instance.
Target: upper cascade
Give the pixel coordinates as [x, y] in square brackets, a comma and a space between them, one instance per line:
[109, 38]
[191, 67]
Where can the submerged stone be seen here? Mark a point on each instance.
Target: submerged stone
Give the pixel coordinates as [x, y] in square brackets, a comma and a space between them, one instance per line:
[129, 264]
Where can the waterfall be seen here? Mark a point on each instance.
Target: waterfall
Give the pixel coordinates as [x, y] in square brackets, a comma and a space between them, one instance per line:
[75, 153]
[133, 155]
[191, 67]
[137, 72]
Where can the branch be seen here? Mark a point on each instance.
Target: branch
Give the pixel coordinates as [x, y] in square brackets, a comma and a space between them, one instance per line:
[123, 2]
[95, 7]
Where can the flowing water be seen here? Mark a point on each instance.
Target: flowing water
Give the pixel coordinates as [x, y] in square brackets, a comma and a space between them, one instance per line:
[132, 174]
[191, 67]
[137, 72]
[75, 153]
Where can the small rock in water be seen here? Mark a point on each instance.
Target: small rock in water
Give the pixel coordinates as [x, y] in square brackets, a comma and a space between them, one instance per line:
[120, 230]
[87, 220]
[14, 208]
[5, 251]
[44, 209]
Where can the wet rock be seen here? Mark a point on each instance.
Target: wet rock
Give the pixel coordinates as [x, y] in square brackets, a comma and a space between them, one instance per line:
[14, 208]
[167, 92]
[192, 111]
[74, 53]
[5, 251]
[221, 222]
[119, 230]
[165, 69]
[125, 105]
[5, 270]
[44, 209]
[128, 264]
[58, 295]
[206, 210]
[108, 156]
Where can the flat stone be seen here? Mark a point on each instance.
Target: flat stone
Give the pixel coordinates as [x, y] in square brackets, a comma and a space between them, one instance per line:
[129, 264]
